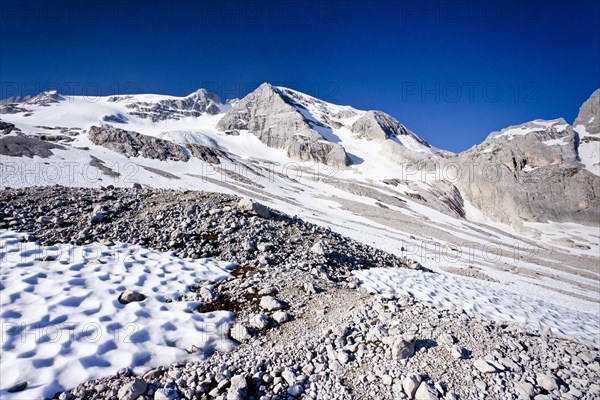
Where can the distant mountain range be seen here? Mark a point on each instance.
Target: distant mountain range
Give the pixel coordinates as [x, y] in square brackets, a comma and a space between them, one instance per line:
[507, 177]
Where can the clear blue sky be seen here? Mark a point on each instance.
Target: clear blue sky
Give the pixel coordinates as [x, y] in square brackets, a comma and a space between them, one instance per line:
[451, 71]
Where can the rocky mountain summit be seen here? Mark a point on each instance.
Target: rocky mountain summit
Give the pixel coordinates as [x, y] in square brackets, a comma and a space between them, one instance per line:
[269, 114]
[19, 104]
[537, 171]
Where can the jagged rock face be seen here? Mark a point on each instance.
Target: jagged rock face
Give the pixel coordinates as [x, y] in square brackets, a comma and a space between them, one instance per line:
[206, 153]
[6, 128]
[587, 125]
[133, 144]
[398, 143]
[194, 105]
[271, 116]
[530, 172]
[397, 152]
[17, 104]
[589, 114]
[379, 126]
[305, 149]
[27, 146]
[45, 98]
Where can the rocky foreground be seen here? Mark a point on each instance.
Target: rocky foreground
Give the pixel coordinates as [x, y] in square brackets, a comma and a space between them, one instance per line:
[305, 327]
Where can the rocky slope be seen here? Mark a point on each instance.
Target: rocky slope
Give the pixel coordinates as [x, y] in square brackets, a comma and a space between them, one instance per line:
[304, 327]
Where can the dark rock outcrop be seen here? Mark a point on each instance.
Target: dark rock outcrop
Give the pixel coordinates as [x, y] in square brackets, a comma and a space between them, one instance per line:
[26, 146]
[134, 144]
[6, 128]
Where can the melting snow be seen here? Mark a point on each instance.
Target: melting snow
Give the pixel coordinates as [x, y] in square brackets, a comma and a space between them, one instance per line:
[62, 323]
[446, 291]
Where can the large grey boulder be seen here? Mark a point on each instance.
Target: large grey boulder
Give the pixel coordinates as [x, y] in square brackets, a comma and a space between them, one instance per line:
[530, 172]
[134, 144]
[276, 120]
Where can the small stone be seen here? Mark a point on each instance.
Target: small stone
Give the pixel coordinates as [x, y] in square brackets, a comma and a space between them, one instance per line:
[295, 390]
[259, 321]
[387, 380]
[309, 288]
[206, 294]
[483, 366]
[252, 207]
[446, 338]
[237, 390]
[269, 290]
[289, 376]
[239, 332]
[481, 385]
[458, 352]
[153, 374]
[410, 385]
[426, 392]
[270, 303]
[318, 248]
[166, 394]
[547, 382]
[343, 357]
[282, 316]
[525, 390]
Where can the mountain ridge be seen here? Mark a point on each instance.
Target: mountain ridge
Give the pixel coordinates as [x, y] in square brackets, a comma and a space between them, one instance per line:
[284, 125]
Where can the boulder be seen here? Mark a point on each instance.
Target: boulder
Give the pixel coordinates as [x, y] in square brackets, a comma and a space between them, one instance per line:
[484, 367]
[403, 347]
[130, 296]
[249, 206]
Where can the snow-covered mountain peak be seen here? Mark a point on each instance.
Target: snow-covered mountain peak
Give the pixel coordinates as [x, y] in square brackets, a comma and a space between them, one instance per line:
[543, 129]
